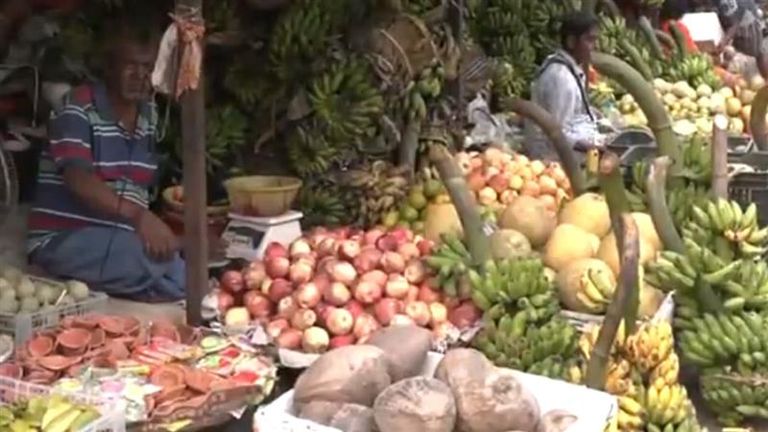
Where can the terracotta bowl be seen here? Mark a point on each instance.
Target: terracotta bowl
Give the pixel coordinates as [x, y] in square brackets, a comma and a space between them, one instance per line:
[86, 321]
[98, 336]
[114, 326]
[41, 346]
[165, 330]
[117, 350]
[11, 370]
[71, 352]
[74, 339]
[131, 325]
[58, 363]
[167, 377]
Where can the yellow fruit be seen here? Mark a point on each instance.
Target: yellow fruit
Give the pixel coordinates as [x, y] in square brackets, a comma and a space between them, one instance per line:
[529, 216]
[647, 229]
[756, 83]
[704, 90]
[509, 244]
[588, 212]
[726, 92]
[570, 279]
[610, 254]
[569, 243]
[733, 106]
[747, 96]
[736, 125]
[441, 219]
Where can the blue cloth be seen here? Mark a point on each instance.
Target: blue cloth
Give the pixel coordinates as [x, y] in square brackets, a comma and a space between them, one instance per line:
[113, 261]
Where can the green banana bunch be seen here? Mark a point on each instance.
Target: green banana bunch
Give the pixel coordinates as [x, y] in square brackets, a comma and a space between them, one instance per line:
[732, 339]
[451, 261]
[601, 94]
[696, 69]
[727, 229]
[735, 396]
[381, 186]
[428, 86]
[325, 204]
[225, 135]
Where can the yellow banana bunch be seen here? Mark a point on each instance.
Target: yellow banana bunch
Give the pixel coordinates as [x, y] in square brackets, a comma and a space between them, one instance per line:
[631, 414]
[667, 372]
[650, 345]
[668, 405]
[596, 289]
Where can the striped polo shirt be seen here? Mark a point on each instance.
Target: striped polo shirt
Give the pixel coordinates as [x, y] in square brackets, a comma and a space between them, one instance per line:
[86, 134]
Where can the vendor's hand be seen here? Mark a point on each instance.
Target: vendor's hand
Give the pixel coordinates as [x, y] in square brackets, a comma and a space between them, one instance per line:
[159, 241]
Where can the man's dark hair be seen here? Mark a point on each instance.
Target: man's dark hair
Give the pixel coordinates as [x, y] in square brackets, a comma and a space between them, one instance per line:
[673, 9]
[138, 27]
[577, 24]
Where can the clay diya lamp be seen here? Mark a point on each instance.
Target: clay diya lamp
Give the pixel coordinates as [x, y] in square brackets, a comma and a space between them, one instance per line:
[169, 332]
[41, 346]
[11, 370]
[74, 341]
[114, 326]
[131, 326]
[98, 337]
[58, 363]
[117, 350]
[167, 377]
[87, 322]
[74, 371]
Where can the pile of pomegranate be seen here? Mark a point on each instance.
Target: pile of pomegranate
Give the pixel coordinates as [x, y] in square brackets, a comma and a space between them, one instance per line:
[334, 288]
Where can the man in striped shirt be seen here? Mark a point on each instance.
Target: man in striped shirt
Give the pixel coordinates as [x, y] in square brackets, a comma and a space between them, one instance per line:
[90, 220]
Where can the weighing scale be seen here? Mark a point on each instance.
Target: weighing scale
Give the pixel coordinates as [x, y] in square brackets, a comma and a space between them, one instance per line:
[247, 237]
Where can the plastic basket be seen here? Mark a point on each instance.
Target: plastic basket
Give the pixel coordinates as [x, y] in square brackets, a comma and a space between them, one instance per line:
[111, 419]
[582, 321]
[23, 325]
[749, 187]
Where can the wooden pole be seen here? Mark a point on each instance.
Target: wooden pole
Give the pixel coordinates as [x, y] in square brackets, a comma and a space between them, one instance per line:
[195, 190]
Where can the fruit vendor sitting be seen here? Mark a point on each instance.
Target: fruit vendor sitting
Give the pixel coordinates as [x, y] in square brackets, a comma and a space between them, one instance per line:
[560, 87]
[90, 219]
[745, 30]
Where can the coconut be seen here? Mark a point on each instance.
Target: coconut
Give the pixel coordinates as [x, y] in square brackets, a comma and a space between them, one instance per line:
[530, 217]
[609, 253]
[416, 404]
[508, 243]
[567, 244]
[647, 229]
[588, 212]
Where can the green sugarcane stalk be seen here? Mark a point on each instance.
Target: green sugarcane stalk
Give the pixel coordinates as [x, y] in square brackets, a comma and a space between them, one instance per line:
[464, 201]
[655, 192]
[680, 43]
[757, 123]
[665, 39]
[650, 35]
[554, 133]
[628, 242]
[643, 93]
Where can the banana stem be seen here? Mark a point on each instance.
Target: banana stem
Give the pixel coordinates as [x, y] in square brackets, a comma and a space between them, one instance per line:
[612, 185]
[665, 39]
[655, 190]
[464, 201]
[627, 240]
[554, 133]
[409, 148]
[679, 38]
[650, 35]
[641, 90]
[720, 157]
[757, 122]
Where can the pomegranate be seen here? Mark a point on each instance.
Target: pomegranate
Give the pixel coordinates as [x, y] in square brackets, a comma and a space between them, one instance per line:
[402, 320]
[365, 324]
[279, 289]
[340, 341]
[376, 276]
[438, 313]
[289, 339]
[372, 236]
[415, 272]
[237, 317]
[327, 247]
[367, 292]
[343, 272]
[349, 249]
[392, 262]
[275, 250]
[337, 294]
[315, 340]
[387, 243]
[287, 307]
[300, 272]
[367, 260]
[232, 281]
[355, 308]
[307, 296]
[303, 319]
[340, 322]
[409, 251]
[387, 308]
[255, 275]
[277, 267]
[419, 313]
[397, 286]
[275, 327]
[258, 305]
[299, 246]
[427, 294]
[465, 315]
